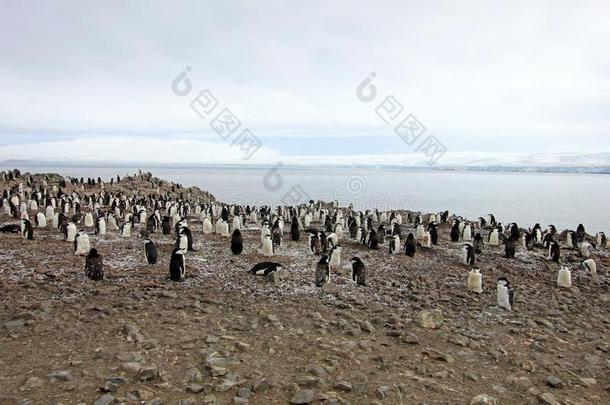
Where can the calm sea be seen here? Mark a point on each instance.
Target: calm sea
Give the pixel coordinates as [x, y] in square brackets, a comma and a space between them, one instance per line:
[564, 200]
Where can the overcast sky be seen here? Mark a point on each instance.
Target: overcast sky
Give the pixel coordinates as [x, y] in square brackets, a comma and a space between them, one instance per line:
[93, 80]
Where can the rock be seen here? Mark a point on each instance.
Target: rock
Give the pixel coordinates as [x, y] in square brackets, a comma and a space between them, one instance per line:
[431, 318]
[211, 339]
[343, 386]
[436, 355]
[194, 388]
[244, 393]
[587, 382]
[382, 392]
[105, 399]
[194, 375]
[32, 382]
[209, 399]
[483, 399]
[359, 382]
[262, 385]
[309, 381]
[367, 326]
[148, 373]
[144, 394]
[553, 382]
[548, 399]
[410, 339]
[131, 367]
[528, 365]
[303, 397]
[272, 318]
[64, 375]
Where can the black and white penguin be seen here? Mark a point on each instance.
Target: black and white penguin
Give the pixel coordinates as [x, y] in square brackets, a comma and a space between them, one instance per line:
[237, 242]
[322, 271]
[276, 236]
[394, 245]
[150, 251]
[82, 247]
[580, 233]
[177, 265]
[505, 294]
[433, 233]
[381, 234]
[373, 242]
[510, 247]
[515, 233]
[94, 266]
[28, 230]
[268, 246]
[358, 271]
[166, 225]
[554, 251]
[590, 266]
[410, 245]
[529, 239]
[586, 248]
[295, 233]
[478, 243]
[571, 240]
[264, 268]
[314, 243]
[455, 231]
[335, 257]
[468, 254]
[602, 240]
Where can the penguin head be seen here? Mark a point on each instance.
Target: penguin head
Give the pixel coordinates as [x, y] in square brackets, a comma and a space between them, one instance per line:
[93, 253]
[324, 259]
[503, 281]
[356, 259]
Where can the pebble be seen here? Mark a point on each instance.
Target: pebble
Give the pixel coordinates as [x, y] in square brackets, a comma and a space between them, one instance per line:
[553, 381]
[303, 397]
[105, 399]
[431, 319]
[483, 399]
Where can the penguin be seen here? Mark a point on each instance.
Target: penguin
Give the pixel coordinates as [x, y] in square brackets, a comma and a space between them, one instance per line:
[166, 225]
[333, 240]
[182, 242]
[554, 251]
[510, 248]
[314, 243]
[335, 257]
[264, 268]
[70, 232]
[426, 241]
[276, 237]
[494, 237]
[419, 232]
[82, 247]
[295, 233]
[267, 246]
[189, 237]
[237, 242]
[467, 233]
[361, 235]
[505, 294]
[528, 240]
[580, 233]
[322, 271]
[12, 228]
[381, 234]
[177, 265]
[602, 240]
[236, 222]
[564, 277]
[475, 283]
[27, 231]
[433, 233]
[323, 241]
[89, 220]
[358, 271]
[585, 249]
[100, 226]
[94, 266]
[455, 232]
[590, 266]
[514, 231]
[207, 226]
[150, 251]
[468, 255]
[126, 229]
[41, 220]
[478, 243]
[394, 244]
[571, 240]
[410, 245]
[373, 241]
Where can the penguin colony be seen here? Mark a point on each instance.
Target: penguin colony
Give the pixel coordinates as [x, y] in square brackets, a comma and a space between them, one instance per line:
[89, 209]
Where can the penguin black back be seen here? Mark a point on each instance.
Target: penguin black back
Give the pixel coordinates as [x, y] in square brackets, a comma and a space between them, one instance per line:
[410, 245]
[237, 243]
[94, 266]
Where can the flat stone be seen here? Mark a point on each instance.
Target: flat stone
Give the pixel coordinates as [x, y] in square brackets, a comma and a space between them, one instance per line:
[303, 397]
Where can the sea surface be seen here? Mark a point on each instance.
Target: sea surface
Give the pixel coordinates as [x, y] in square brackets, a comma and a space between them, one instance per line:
[564, 200]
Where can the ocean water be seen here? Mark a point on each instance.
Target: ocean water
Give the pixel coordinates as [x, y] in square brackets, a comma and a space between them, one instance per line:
[564, 200]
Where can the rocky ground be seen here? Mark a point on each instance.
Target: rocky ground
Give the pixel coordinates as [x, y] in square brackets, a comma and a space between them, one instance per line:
[414, 335]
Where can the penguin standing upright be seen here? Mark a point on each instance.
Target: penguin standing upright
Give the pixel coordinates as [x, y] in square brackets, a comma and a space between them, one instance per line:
[510, 247]
[505, 294]
[564, 277]
[94, 266]
[150, 251]
[410, 245]
[478, 243]
[314, 243]
[554, 251]
[468, 254]
[41, 220]
[295, 234]
[602, 240]
[585, 249]
[82, 246]
[358, 271]
[100, 226]
[276, 236]
[475, 281]
[166, 225]
[494, 237]
[590, 266]
[70, 232]
[455, 231]
[177, 265]
[267, 246]
[433, 233]
[28, 230]
[322, 271]
[373, 241]
[237, 243]
[335, 257]
[394, 244]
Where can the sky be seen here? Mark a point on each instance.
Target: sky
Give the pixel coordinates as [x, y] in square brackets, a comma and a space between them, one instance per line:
[99, 81]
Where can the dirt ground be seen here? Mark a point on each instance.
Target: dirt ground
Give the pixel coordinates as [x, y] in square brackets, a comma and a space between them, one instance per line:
[224, 336]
